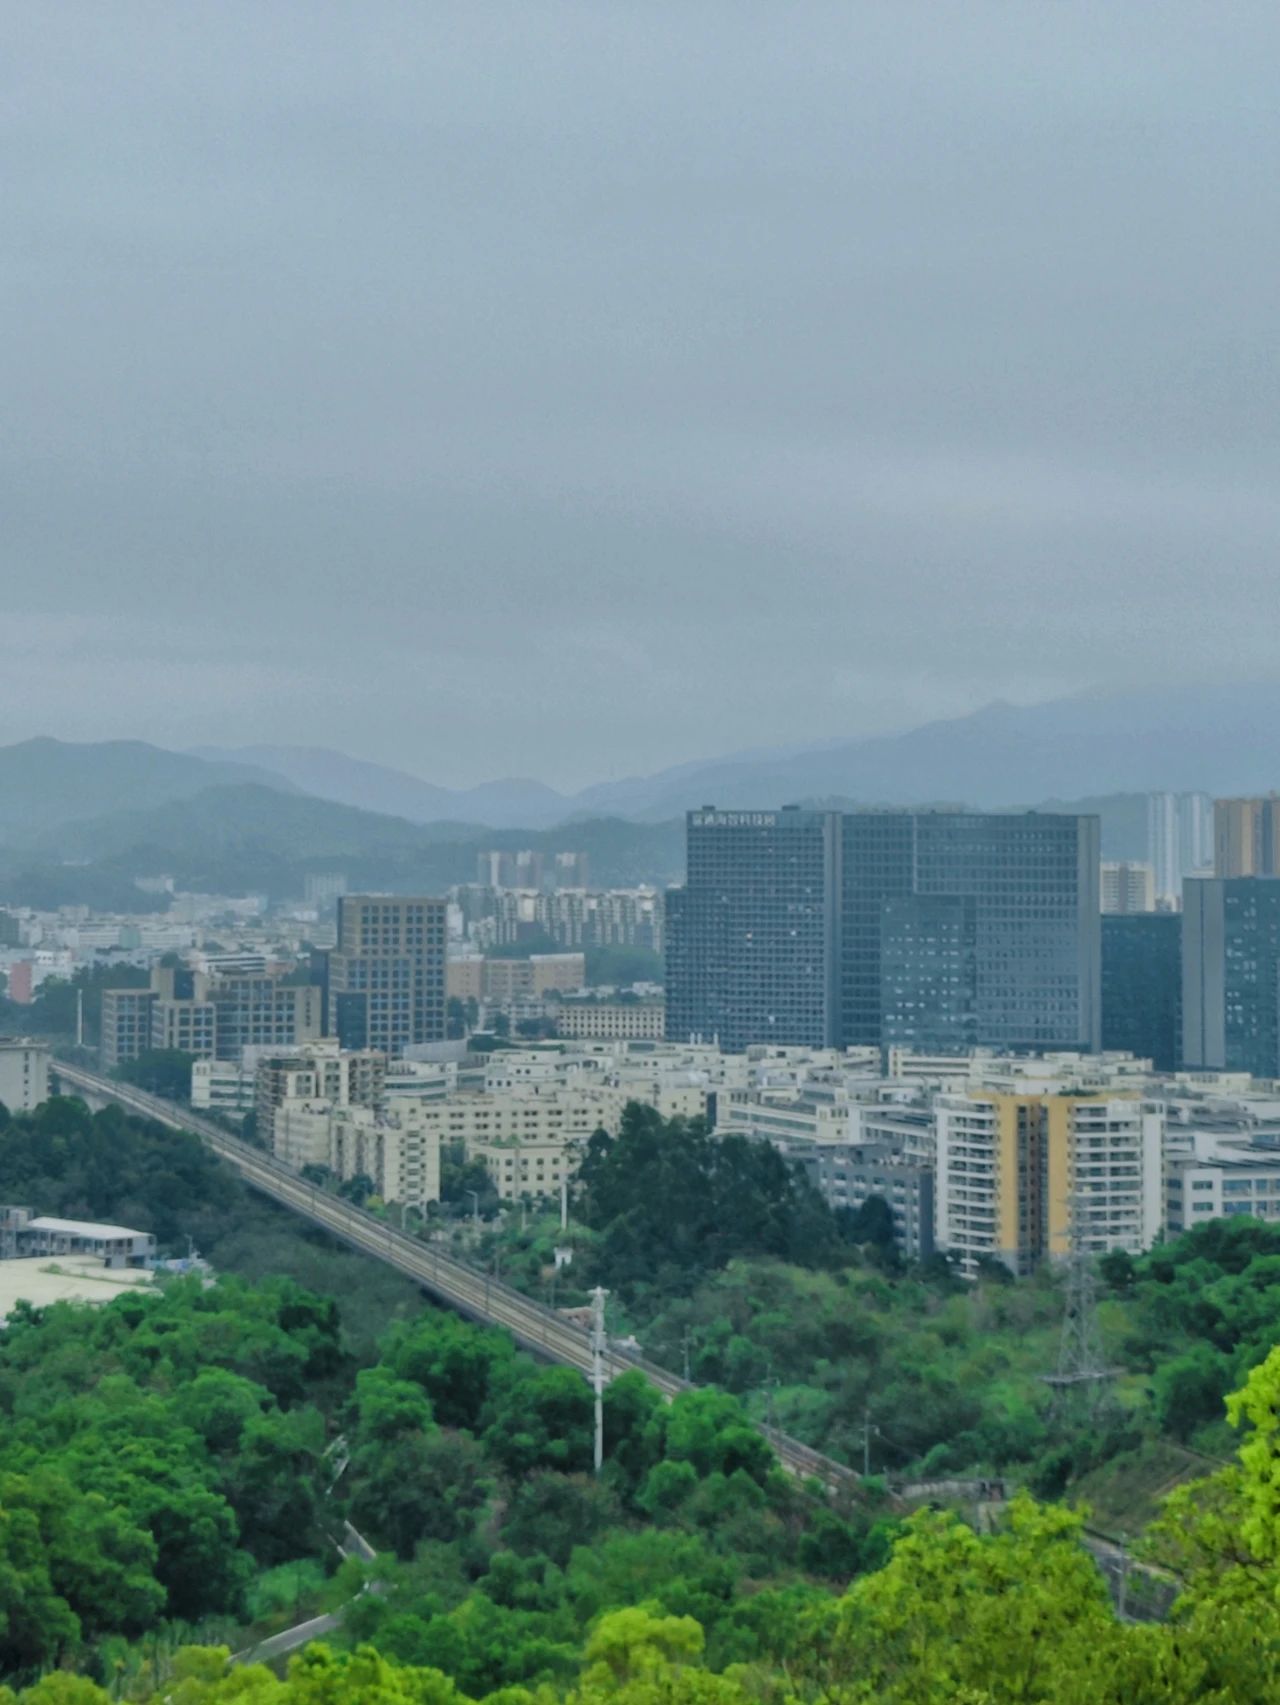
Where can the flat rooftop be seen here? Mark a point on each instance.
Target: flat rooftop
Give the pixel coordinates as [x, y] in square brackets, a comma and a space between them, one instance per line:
[82, 1228]
[42, 1280]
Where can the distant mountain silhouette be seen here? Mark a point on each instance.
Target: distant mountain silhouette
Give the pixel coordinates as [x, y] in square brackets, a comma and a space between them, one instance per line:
[1218, 739]
[375, 787]
[45, 783]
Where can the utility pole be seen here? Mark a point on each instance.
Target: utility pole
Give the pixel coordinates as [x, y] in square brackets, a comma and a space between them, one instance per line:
[868, 1433]
[684, 1345]
[597, 1368]
[1122, 1596]
[79, 1018]
[771, 1385]
[475, 1210]
[564, 1204]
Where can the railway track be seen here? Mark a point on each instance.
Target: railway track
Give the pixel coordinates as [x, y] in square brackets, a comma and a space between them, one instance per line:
[473, 1294]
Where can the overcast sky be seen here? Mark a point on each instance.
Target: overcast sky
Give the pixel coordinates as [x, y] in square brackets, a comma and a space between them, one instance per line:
[569, 390]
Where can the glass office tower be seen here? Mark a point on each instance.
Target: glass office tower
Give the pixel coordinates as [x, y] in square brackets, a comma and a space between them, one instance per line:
[942, 930]
[1142, 986]
[929, 973]
[1032, 979]
[753, 936]
[1231, 975]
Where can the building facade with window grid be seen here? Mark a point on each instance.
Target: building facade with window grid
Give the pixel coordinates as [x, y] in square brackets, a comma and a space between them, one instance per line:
[386, 974]
[753, 938]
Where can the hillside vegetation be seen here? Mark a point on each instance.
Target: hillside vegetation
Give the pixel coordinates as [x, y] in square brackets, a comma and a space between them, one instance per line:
[176, 1467]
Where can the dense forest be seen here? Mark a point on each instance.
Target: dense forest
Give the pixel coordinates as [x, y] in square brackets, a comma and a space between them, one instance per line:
[724, 1263]
[953, 1616]
[190, 1453]
[176, 1468]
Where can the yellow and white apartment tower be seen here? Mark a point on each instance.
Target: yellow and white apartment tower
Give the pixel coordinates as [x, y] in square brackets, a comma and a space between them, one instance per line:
[1021, 1177]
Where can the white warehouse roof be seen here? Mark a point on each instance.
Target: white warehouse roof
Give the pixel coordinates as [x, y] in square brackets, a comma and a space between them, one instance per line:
[82, 1228]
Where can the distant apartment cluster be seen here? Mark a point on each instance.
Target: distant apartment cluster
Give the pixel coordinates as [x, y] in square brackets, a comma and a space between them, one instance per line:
[382, 985]
[990, 1157]
[525, 1114]
[495, 918]
[530, 869]
[208, 1015]
[1018, 1159]
[1020, 1047]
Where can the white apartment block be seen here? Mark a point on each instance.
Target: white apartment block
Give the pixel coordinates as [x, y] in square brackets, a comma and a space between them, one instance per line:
[1054, 1073]
[223, 1086]
[1222, 1147]
[541, 1123]
[790, 1122]
[300, 1133]
[398, 1150]
[319, 1072]
[24, 1073]
[420, 1080]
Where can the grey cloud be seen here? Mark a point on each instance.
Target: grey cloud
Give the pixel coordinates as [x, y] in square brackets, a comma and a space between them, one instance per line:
[573, 389]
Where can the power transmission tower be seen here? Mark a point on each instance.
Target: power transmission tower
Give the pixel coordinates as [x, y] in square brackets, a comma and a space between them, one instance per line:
[598, 1344]
[1081, 1383]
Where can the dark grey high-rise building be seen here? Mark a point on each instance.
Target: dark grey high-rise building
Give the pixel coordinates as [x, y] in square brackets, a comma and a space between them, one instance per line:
[1025, 956]
[1231, 974]
[753, 936]
[929, 973]
[1142, 986]
[941, 930]
[386, 975]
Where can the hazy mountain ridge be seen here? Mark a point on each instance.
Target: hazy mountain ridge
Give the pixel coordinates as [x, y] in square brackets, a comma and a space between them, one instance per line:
[1215, 739]
[45, 783]
[367, 786]
[104, 801]
[249, 838]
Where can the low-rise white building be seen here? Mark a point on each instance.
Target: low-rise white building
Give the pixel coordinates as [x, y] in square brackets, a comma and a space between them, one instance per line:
[624, 1021]
[1212, 1177]
[223, 1086]
[528, 1169]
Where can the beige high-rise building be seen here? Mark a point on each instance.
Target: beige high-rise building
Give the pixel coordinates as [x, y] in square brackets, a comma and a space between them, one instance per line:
[1246, 836]
[541, 974]
[210, 1016]
[464, 978]
[387, 972]
[398, 1150]
[1128, 887]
